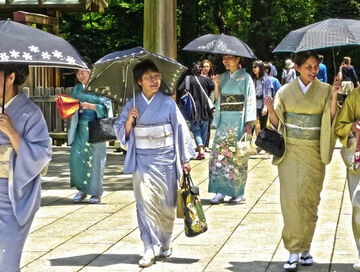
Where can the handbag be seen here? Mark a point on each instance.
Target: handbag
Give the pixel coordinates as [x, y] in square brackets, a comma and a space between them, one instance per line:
[66, 105]
[102, 130]
[194, 217]
[246, 145]
[210, 103]
[351, 155]
[187, 103]
[271, 141]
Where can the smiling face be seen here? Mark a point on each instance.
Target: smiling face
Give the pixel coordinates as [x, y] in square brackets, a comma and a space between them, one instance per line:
[150, 83]
[231, 62]
[308, 70]
[83, 76]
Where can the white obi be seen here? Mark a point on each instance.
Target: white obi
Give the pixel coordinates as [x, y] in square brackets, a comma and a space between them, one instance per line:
[5, 151]
[152, 137]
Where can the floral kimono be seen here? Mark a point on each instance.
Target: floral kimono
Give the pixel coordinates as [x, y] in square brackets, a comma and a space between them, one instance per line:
[236, 105]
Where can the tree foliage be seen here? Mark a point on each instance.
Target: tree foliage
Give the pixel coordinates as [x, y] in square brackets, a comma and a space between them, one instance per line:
[260, 23]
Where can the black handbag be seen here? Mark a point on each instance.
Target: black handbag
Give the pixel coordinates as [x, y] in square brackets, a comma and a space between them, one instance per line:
[194, 217]
[271, 141]
[102, 130]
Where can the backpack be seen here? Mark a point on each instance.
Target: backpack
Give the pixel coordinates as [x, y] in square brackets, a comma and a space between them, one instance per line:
[187, 103]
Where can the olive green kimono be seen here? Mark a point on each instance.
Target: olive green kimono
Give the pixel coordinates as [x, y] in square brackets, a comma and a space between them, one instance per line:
[305, 123]
[349, 113]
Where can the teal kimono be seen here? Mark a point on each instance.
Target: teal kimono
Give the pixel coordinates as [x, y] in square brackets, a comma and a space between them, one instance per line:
[87, 161]
[235, 106]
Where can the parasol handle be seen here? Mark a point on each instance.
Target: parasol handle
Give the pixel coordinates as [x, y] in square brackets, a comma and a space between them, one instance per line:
[3, 99]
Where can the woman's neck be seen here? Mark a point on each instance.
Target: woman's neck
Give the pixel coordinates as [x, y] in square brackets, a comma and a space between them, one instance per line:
[233, 69]
[9, 94]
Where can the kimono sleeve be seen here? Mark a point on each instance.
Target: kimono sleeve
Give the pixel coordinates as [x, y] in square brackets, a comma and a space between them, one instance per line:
[33, 155]
[345, 119]
[250, 114]
[183, 141]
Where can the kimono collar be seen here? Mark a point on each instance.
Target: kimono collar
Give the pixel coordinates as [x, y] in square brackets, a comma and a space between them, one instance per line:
[233, 74]
[9, 102]
[147, 100]
[304, 88]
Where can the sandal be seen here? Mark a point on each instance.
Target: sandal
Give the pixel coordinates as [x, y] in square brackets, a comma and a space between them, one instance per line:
[165, 253]
[291, 266]
[306, 261]
[146, 261]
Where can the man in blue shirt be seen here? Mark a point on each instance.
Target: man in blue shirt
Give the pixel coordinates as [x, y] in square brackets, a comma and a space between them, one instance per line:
[322, 74]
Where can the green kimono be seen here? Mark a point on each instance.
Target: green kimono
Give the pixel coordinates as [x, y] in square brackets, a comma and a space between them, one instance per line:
[349, 113]
[305, 123]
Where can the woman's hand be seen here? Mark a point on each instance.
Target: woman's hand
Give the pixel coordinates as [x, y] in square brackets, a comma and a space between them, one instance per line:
[6, 125]
[133, 114]
[186, 167]
[336, 87]
[87, 106]
[269, 104]
[355, 126]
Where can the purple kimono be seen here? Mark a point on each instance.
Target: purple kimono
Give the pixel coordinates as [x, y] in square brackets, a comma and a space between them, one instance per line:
[156, 171]
[20, 192]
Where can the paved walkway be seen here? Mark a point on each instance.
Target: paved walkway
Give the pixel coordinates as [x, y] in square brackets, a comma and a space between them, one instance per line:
[243, 237]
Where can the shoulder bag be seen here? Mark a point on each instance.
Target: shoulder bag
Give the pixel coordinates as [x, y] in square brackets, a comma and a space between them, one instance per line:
[102, 130]
[351, 155]
[210, 103]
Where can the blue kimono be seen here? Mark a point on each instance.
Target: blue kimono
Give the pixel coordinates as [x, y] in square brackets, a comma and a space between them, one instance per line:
[156, 170]
[235, 106]
[20, 192]
[87, 161]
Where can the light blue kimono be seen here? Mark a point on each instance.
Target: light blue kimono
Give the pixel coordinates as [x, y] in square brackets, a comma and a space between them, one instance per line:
[156, 171]
[228, 171]
[20, 193]
[87, 161]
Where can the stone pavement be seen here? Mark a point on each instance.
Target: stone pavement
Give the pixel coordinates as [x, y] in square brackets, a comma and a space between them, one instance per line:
[243, 237]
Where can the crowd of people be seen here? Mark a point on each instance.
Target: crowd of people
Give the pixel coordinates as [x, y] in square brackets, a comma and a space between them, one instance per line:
[303, 108]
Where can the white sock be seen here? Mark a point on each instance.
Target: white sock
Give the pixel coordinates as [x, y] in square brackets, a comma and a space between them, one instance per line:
[305, 253]
[293, 257]
[149, 252]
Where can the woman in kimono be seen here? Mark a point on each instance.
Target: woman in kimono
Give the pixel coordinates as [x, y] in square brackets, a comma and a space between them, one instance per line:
[303, 113]
[159, 150]
[235, 112]
[347, 128]
[25, 149]
[87, 160]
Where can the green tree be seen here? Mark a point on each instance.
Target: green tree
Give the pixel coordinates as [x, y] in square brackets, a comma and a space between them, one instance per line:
[97, 34]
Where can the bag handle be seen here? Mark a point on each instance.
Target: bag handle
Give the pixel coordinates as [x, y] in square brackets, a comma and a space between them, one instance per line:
[201, 87]
[187, 83]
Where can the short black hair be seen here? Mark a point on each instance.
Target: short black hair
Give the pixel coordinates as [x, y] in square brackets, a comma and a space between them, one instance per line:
[143, 67]
[196, 69]
[21, 71]
[302, 57]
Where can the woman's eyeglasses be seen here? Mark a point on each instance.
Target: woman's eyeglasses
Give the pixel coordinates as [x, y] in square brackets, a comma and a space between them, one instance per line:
[254, 67]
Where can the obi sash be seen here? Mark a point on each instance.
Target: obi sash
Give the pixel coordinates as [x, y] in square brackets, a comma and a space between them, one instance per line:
[303, 126]
[232, 102]
[152, 137]
[5, 151]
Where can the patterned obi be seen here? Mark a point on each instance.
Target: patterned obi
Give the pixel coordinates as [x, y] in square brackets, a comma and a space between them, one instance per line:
[152, 137]
[5, 151]
[303, 126]
[232, 102]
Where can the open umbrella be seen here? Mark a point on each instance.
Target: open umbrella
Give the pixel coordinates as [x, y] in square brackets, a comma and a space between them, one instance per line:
[323, 34]
[112, 75]
[329, 33]
[24, 44]
[27, 45]
[220, 44]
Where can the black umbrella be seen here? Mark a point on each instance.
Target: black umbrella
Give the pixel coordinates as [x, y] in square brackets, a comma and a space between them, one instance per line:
[329, 33]
[112, 75]
[323, 34]
[220, 44]
[27, 45]
[24, 44]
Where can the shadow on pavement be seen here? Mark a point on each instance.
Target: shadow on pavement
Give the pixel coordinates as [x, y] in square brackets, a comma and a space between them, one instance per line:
[111, 259]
